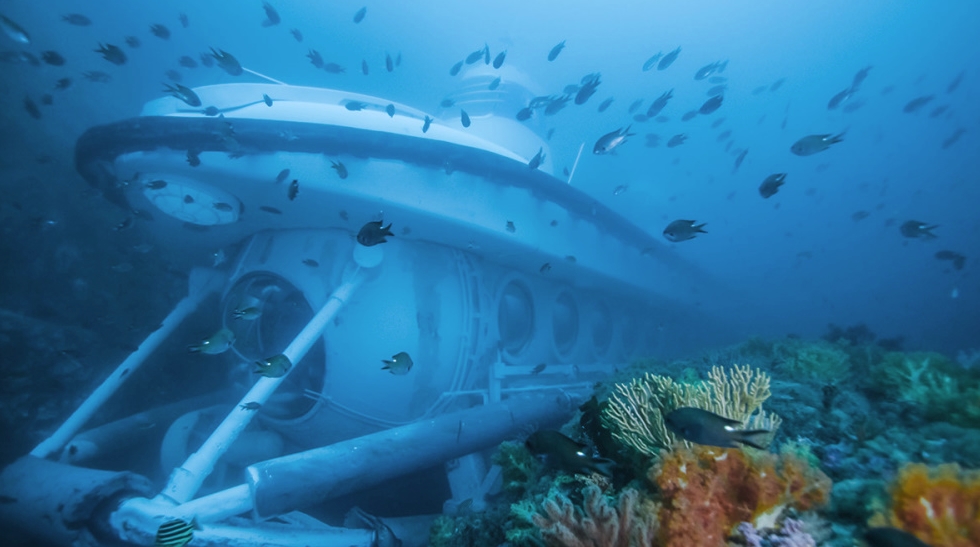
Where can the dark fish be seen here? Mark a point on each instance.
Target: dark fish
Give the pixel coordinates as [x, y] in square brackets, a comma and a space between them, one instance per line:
[311, 263]
[271, 15]
[840, 98]
[605, 104]
[717, 90]
[112, 54]
[771, 185]
[315, 58]
[206, 59]
[564, 454]
[426, 124]
[669, 59]
[486, 54]
[374, 233]
[494, 84]
[683, 230]
[812, 144]
[475, 56]
[297, 35]
[63, 83]
[293, 190]
[556, 105]
[956, 258]
[498, 61]
[364, 67]
[359, 16]
[777, 84]
[271, 210]
[612, 140]
[589, 85]
[887, 536]
[133, 42]
[524, 114]
[956, 82]
[951, 140]
[339, 168]
[227, 62]
[858, 216]
[274, 367]
[97, 76]
[174, 533]
[76, 19]
[31, 107]
[282, 176]
[688, 116]
[860, 77]
[711, 104]
[251, 405]
[175, 77]
[702, 427]
[553, 54]
[53, 58]
[915, 104]
[939, 111]
[545, 267]
[539, 368]
[334, 68]
[185, 94]
[155, 185]
[739, 159]
[211, 111]
[187, 61]
[390, 110]
[464, 118]
[652, 61]
[267, 99]
[724, 135]
[659, 104]
[193, 158]
[676, 140]
[537, 159]
[389, 64]
[915, 229]
[456, 68]
[184, 21]
[399, 364]
[160, 31]
[708, 70]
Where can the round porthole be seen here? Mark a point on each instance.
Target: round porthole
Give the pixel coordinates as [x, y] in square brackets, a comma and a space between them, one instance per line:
[515, 317]
[602, 329]
[564, 323]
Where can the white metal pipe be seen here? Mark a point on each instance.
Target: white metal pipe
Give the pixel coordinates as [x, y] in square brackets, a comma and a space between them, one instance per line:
[186, 480]
[202, 283]
[216, 507]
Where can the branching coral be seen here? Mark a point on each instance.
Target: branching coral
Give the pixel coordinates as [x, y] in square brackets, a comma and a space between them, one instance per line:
[939, 505]
[705, 492]
[601, 521]
[635, 411]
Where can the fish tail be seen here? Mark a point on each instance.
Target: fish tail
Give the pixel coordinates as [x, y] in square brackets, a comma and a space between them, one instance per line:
[838, 137]
[603, 466]
[700, 228]
[194, 349]
[754, 438]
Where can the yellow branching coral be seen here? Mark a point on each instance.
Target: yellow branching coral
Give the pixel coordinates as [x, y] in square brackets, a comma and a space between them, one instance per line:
[601, 521]
[635, 411]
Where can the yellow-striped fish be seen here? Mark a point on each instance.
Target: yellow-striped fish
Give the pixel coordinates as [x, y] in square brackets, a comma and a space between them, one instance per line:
[175, 533]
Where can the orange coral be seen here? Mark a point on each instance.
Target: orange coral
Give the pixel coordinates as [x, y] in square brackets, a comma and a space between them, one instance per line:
[940, 505]
[705, 492]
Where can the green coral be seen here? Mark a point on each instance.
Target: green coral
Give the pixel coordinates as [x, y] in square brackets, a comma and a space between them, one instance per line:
[819, 360]
[937, 386]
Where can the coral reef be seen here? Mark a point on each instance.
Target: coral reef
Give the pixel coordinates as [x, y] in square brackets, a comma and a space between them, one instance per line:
[791, 533]
[705, 492]
[635, 411]
[941, 389]
[939, 505]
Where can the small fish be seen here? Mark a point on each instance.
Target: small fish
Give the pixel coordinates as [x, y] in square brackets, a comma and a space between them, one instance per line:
[293, 190]
[76, 19]
[447, 103]
[524, 114]
[676, 140]
[464, 118]
[858, 216]
[688, 116]
[711, 104]
[185, 94]
[251, 313]
[683, 230]
[155, 185]
[340, 168]
[494, 84]
[939, 111]
[176, 77]
[160, 31]
[562, 453]
[659, 104]
[355, 106]
[739, 159]
[334, 68]
[777, 84]
[956, 258]
[215, 344]
[126, 224]
[31, 108]
[175, 533]
[374, 233]
[860, 77]
[426, 124]
[53, 58]
[812, 144]
[133, 42]
[390, 110]
[454, 70]
[717, 90]
[652, 61]
[282, 176]
[63, 84]
[537, 159]
[771, 185]
[112, 54]
[545, 268]
[915, 104]
[359, 16]
[553, 54]
[610, 141]
[702, 427]
[274, 367]
[271, 210]
[510, 226]
[271, 15]
[915, 229]
[621, 188]
[251, 405]
[498, 61]
[267, 99]
[206, 59]
[297, 35]
[724, 135]
[840, 98]
[389, 63]
[708, 70]
[589, 85]
[605, 104]
[227, 62]
[184, 21]
[399, 364]
[311, 263]
[886, 536]
[668, 59]
[955, 83]
[955, 136]
[539, 368]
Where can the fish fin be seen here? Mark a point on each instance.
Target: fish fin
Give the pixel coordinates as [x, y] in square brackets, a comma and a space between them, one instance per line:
[700, 229]
[750, 438]
[626, 132]
[603, 466]
[194, 349]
